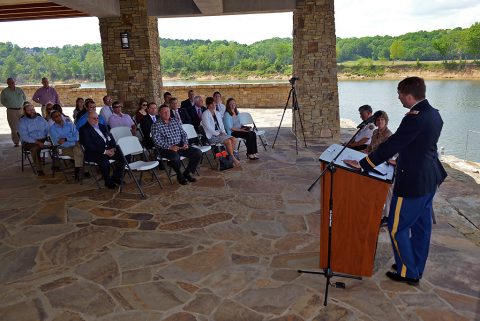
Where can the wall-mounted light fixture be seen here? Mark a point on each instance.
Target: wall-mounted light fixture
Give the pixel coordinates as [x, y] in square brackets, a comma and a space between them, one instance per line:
[125, 40]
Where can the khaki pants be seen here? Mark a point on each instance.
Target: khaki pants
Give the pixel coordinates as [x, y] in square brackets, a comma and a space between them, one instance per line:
[35, 152]
[75, 151]
[13, 116]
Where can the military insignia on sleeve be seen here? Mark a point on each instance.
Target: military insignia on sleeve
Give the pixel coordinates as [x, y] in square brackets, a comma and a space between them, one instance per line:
[371, 126]
[413, 112]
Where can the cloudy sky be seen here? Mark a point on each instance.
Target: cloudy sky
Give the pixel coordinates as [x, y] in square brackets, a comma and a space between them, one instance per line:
[354, 18]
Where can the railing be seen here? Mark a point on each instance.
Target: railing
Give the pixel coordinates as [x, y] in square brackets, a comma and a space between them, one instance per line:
[467, 141]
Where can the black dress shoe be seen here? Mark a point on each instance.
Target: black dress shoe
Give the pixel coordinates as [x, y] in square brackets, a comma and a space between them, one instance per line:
[117, 181]
[394, 267]
[189, 177]
[181, 180]
[397, 278]
[110, 185]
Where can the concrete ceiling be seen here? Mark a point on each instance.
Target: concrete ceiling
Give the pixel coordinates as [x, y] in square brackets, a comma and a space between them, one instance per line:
[12, 10]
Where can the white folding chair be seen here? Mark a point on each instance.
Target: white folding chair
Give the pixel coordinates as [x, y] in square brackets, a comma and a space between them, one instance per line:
[246, 119]
[119, 132]
[131, 146]
[88, 166]
[192, 134]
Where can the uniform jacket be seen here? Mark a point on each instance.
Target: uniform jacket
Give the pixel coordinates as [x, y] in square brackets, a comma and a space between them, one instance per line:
[419, 171]
[94, 144]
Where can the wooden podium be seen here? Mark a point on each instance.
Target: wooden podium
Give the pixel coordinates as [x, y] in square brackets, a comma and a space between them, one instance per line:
[358, 200]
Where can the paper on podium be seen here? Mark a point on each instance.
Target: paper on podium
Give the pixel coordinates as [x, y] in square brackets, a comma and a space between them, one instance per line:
[349, 153]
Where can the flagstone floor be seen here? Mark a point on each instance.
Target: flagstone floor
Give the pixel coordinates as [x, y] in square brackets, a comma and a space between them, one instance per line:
[226, 248]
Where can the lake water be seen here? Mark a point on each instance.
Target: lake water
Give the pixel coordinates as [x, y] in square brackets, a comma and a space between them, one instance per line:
[457, 100]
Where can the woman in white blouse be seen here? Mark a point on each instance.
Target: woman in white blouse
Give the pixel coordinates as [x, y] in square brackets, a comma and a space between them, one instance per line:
[215, 131]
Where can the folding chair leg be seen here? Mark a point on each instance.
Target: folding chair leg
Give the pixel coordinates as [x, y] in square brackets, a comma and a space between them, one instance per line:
[263, 143]
[156, 177]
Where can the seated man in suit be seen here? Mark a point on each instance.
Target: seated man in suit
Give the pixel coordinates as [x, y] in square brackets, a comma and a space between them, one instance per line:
[188, 103]
[146, 124]
[33, 130]
[196, 112]
[180, 114]
[100, 147]
[171, 142]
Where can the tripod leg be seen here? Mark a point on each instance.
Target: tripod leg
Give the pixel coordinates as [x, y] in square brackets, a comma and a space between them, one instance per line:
[299, 117]
[281, 120]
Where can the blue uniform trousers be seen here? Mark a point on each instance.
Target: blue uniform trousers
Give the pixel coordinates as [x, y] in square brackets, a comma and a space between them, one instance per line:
[410, 226]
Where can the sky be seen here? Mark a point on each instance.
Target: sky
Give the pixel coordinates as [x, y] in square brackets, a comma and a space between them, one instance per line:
[353, 18]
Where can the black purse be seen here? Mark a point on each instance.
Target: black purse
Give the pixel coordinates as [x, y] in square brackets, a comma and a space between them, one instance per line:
[225, 162]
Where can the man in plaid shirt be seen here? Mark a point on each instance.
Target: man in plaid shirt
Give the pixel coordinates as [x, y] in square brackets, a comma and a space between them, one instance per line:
[171, 141]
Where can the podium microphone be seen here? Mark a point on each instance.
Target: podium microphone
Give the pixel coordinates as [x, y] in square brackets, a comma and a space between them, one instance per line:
[370, 119]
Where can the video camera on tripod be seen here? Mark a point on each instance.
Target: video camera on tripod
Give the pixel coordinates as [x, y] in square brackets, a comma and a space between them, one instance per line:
[293, 79]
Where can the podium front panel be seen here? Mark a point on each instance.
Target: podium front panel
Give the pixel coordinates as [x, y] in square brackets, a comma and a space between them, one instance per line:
[358, 202]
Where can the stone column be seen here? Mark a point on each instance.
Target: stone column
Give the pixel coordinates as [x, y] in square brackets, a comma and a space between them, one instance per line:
[314, 62]
[133, 73]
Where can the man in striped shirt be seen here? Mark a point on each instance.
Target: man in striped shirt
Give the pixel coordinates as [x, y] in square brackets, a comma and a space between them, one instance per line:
[171, 141]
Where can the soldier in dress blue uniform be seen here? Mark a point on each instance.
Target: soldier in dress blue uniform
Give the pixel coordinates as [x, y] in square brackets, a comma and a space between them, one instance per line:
[419, 173]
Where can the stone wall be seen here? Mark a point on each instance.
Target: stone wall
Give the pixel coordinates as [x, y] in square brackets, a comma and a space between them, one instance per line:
[134, 72]
[314, 62]
[246, 95]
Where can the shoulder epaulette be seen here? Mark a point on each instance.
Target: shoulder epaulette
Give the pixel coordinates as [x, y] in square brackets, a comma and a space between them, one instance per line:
[413, 112]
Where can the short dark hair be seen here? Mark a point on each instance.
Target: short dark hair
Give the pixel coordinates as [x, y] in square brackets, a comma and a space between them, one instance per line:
[166, 94]
[383, 115]
[209, 100]
[365, 108]
[414, 86]
[163, 106]
[217, 93]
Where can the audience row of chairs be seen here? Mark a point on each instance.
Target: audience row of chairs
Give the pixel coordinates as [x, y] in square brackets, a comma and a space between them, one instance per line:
[137, 158]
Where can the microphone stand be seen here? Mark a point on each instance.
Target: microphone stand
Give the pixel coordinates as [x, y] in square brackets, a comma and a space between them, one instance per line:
[328, 272]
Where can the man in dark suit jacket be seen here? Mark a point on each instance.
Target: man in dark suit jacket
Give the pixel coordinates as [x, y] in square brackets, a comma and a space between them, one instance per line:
[196, 112]
[182, 112]
[100, 147]
[187, 103]
[418, 175]
[146, 124]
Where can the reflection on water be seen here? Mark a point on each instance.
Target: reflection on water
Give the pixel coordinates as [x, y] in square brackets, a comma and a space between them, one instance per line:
[457, 100]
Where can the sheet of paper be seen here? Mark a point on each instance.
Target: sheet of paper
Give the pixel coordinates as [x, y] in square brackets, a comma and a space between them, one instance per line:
[332, 151]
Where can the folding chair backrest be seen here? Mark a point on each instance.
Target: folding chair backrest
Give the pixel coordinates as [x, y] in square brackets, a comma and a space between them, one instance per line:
[119, 132]
[190, 130]
[130, 145]
[245, 118]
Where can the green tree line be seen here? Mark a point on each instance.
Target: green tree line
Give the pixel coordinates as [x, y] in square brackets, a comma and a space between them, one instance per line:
[192, 58]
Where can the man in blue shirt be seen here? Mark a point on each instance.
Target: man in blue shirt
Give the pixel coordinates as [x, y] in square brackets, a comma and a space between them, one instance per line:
[172, 142]
[82, 118]
[65, 136]
[33, 130]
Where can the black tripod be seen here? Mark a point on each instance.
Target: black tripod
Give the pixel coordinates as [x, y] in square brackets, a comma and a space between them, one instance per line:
[295, 108]
[327, 272]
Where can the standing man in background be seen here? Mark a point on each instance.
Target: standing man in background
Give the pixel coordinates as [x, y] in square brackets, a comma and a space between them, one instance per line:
[418, 175]
[45, 94]
[13, 98]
